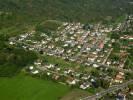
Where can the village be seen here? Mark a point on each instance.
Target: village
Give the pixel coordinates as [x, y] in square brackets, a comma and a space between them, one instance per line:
[90, 47]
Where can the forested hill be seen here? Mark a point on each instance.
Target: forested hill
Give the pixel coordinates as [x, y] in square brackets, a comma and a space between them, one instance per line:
[70, 10]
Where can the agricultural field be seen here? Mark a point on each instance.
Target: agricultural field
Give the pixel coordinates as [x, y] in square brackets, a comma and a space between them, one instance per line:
[22, 87]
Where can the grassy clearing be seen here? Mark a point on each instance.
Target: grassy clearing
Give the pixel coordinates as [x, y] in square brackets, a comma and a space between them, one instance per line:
[24, 87]
[52, 24]
[75, 94]
[48, 26]
[15, 30]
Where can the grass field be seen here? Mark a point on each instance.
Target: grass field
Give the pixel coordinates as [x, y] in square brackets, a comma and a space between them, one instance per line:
[23, 87]
[76, 94]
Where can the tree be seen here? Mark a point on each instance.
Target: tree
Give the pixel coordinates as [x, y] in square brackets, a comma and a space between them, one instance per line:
[129, 76]
[105, 83]
[115, 35]
[95, 72]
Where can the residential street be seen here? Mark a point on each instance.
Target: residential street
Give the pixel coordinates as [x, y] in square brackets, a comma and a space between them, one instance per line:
[109, 90]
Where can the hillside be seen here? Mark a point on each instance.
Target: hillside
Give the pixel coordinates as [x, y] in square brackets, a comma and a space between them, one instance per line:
[66, 10]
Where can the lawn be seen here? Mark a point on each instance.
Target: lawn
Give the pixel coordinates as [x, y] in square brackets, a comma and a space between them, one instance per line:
[22, 87]
[61, 62]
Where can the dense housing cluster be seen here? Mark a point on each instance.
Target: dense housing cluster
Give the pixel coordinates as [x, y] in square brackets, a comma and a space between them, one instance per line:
[81, 55]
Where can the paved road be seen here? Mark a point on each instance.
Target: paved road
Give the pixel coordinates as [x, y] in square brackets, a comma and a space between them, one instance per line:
[107, 56]
[109, 90]
[107, 66]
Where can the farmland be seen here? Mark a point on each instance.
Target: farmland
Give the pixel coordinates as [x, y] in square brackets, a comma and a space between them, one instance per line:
[22, 87]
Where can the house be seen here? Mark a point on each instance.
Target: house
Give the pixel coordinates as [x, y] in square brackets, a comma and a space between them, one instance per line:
[131, 92]
[37, 63]
[71, 81]
[88, 64]
[98, 60]
[84, 86]
[35, 72]
[119, 77]
[121, 96]
[94, 83]
[109, 62]
[65, 45]
[110, 45]
[91, 59]
[31, 67]
[79, 47]
[113, 40]
[101, 45]
[58, 69]
[55, 77]
[50, 66]
[95, 66]
[98, 50]
[48, 73]
[85, 77]
[11, 43]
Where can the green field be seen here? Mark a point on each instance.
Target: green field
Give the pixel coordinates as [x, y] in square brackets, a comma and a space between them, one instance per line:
[22, 87]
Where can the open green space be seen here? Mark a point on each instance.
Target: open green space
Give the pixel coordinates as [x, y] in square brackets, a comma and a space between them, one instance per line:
[76, 94]
[22, 87]
[63, 63]
[48, 26]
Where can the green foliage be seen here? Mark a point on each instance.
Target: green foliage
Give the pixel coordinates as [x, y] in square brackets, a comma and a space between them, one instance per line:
[115, 35]
[104, 83]
[4, 37]
[13, 59]
[129, 76]
[48, 26]
[116, 47]
[95, 73]
[115, 58]
[112, 72]
[129, 63]
[130, 86]
[22, 87]
[66, 10]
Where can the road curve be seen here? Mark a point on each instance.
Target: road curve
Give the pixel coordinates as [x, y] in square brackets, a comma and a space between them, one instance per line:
[109, 90]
